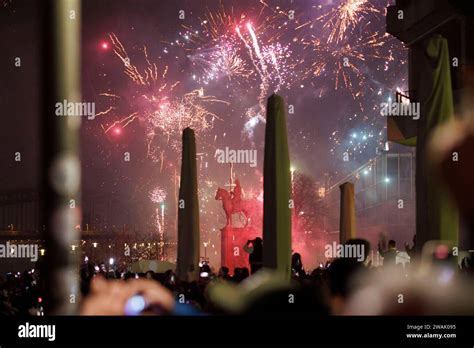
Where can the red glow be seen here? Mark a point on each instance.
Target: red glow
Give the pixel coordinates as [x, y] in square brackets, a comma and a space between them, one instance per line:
[117, 130]
[104, 45]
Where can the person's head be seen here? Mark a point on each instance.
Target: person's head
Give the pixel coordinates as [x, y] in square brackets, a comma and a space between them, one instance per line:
[391, 244]
[149, 274]
[257, 241]
[237, 274]
[102, 268]
[341, 274]
[128, 275]
[205, 273]
[296, 260]
[223, 272]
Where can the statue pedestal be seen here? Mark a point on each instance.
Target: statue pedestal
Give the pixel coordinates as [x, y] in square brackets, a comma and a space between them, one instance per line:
[233, 240]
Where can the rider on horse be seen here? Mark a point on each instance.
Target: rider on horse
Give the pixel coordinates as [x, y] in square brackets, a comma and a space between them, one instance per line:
[237, 193]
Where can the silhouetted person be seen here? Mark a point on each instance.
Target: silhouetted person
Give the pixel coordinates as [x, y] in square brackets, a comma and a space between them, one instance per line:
[389, 255]
[411, 251]
[244, 272]
[224, 273]
[238, 276]
[297, 269]
[256, 254]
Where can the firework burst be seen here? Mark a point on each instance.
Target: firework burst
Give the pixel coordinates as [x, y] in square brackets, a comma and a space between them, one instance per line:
[346, 63]
[346, 17]
[155, 104]
[241, 47]
[158, 195]
[170, 117]
[341, 20]
[271, 62]
[222, 61]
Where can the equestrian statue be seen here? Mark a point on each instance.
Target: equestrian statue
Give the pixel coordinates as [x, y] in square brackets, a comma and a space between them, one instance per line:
[233, 203]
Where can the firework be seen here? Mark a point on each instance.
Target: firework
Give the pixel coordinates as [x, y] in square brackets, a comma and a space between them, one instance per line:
[271, 62]
[218, 26]
[345, 17]
[150, 73]
[155, 104]
[222, 61]
[158, 195]
[242, 48]
[345, 63]
[150, 84]
[228, 44]
[121, 123]
[169, 118]
[278, 56]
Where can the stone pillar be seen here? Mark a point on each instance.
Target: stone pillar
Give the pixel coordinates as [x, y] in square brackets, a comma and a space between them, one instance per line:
[347, 225]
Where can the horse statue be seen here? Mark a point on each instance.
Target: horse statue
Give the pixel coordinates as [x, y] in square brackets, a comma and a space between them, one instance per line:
[232, 203]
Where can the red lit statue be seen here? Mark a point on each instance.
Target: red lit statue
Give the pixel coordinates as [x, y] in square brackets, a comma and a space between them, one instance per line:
[233, 203]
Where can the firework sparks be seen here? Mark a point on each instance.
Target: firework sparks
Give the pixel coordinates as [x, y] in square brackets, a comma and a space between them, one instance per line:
[222, 61]
[342, 19]
[271, 64]
[171, 117]
[158, 195]
[344, 62]
[155, 103]
[149, 75]
[122, 123]
[150, 85]
[345, 17]
[240, 47]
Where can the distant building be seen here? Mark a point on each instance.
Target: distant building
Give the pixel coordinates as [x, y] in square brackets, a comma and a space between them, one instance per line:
[385, 199]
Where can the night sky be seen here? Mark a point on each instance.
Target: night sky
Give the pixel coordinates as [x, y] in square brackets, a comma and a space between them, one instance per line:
[221, 61]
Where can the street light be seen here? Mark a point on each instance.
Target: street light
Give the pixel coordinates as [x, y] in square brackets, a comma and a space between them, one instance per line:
[205, 249]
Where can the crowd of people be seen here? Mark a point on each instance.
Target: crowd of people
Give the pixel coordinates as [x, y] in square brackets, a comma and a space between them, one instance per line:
[341, 286]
